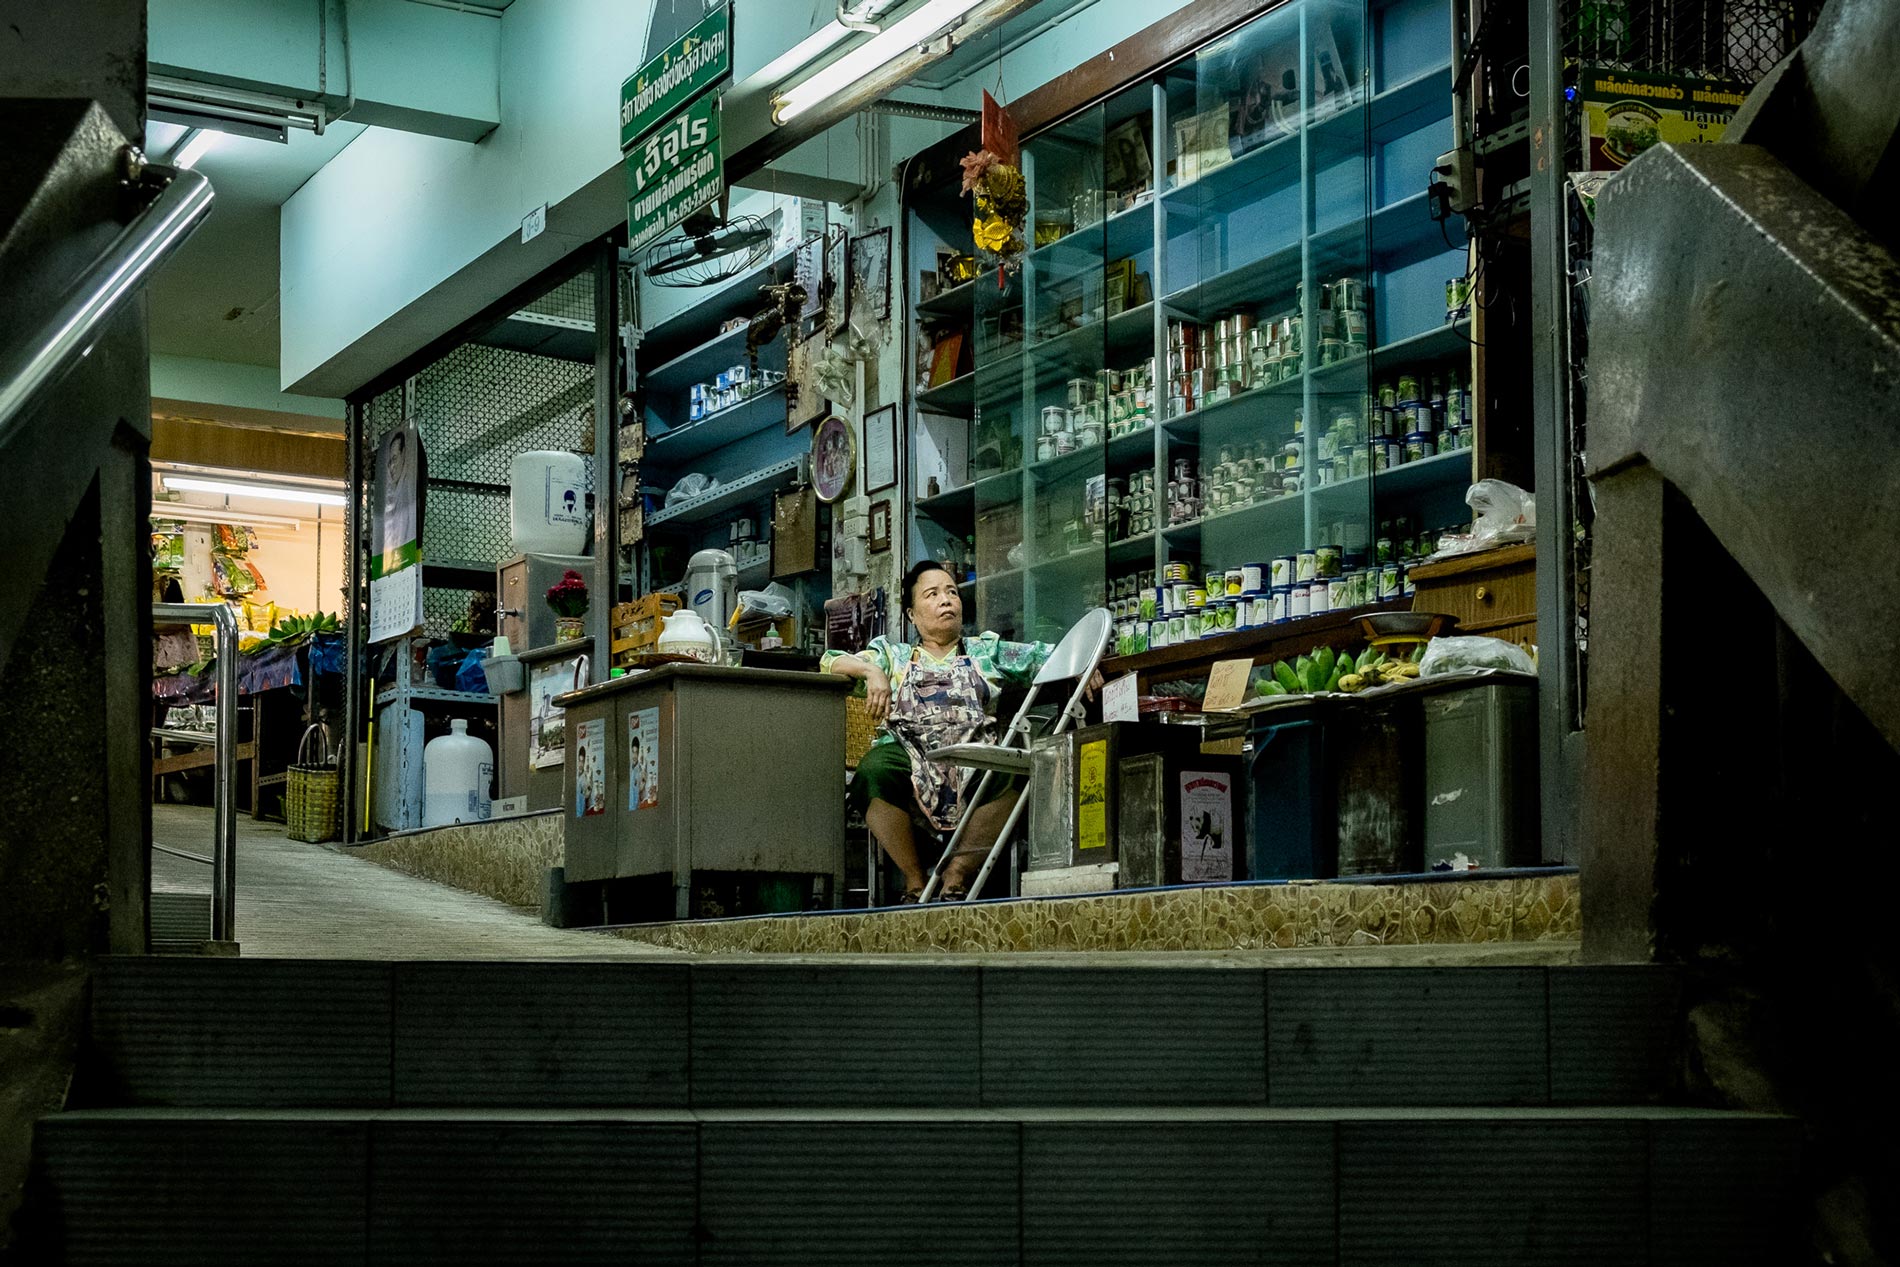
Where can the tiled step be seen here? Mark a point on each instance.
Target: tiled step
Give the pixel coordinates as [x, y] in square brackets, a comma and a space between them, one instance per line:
[1098, 1187]
[287, 1033]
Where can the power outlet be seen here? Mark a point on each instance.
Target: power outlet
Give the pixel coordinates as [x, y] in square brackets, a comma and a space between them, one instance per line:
[1454, 183]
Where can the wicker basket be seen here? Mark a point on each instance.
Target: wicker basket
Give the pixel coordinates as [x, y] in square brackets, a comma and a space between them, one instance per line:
[312, 792]
[859, 730]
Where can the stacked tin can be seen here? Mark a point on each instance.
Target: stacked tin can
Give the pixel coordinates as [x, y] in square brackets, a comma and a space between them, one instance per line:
[1184, 368]
[1418, 416]
[1130, 397]
[1184, 493]
[728, 388]
[1343, 320]
[1137, 494]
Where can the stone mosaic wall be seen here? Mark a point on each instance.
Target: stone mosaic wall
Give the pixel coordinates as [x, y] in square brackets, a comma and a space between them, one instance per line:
[1262, 917]
[507, 859]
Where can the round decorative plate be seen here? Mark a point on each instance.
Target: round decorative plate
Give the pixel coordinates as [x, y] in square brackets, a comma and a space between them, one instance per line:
[833, 458]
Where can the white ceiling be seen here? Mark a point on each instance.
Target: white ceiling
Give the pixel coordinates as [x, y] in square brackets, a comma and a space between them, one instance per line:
[217, 297]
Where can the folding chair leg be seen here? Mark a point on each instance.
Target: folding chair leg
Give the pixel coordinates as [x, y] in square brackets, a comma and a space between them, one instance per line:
[996, 846]
[935, 882]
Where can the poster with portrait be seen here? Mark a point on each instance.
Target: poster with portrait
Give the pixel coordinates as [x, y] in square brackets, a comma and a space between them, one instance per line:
[547, 724]
[590, 768]
[871, 276]
[643, 759]
[395, 561]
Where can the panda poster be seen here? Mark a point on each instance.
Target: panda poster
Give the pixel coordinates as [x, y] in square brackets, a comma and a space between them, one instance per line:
[1207, 826]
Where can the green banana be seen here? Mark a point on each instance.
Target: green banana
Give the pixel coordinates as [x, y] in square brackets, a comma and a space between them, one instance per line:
[1345, 663]
[1311, 679]
[1332, 679]
[1272, 688]
[1285, 676]
[1325, 659]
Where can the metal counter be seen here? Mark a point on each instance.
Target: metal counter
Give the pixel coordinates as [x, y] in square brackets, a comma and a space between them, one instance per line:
[740, 771]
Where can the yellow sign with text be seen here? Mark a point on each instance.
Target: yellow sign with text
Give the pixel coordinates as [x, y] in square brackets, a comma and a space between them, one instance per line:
[1091, 802]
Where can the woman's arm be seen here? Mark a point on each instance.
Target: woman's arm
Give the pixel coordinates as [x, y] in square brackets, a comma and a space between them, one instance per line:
[867, 666]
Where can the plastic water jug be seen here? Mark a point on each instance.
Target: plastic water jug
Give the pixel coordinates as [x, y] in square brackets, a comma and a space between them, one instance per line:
[684, 633]
[456, 769]
[547, 502]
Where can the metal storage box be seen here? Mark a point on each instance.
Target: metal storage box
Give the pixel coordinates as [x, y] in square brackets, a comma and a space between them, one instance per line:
[740, 774]
[1155, 826]
[1481, 773]
[522, 583]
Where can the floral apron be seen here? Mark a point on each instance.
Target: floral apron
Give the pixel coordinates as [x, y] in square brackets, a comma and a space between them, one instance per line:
[934, 707]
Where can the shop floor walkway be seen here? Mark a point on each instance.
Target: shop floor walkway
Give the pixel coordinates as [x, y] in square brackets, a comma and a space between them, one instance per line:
[299, 900]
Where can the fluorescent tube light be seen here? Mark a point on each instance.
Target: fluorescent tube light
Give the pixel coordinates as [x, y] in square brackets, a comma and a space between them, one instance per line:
[908, 32]
[231, 488]
[180, 512]
[197, 143]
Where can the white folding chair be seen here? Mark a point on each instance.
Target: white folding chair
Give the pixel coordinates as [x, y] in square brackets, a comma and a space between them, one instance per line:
[1075, 657]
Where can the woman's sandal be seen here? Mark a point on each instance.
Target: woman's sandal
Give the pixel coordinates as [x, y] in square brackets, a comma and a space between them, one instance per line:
[911, 896]
[952, 893]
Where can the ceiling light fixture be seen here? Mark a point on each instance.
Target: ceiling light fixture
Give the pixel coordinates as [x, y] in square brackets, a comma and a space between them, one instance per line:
[178, 512]
[197, 143]
[235, 110]
[915, 28]
[231, 488]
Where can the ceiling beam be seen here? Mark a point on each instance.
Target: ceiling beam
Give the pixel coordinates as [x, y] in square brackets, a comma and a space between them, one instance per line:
[355, 59]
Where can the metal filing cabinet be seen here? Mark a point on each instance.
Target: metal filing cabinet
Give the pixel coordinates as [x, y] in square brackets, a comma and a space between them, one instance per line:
[742, 772]
[1481, 773]
[522, 583]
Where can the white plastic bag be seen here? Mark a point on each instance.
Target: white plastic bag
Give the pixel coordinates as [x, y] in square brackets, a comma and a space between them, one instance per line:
[1501, 514]
[1466, 654]
[692, 486]
[772, 603]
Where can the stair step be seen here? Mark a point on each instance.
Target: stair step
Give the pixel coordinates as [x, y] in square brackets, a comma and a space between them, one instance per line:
[260, 1033]
[1052, 1186]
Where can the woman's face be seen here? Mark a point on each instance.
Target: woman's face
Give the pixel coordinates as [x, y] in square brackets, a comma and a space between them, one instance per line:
[936, 606]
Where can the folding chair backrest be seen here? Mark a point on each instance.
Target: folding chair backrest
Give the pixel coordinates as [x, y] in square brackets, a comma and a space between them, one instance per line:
[1080, 649]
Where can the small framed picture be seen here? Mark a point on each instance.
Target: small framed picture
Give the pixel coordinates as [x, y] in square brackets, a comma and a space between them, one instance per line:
[871, 274]
[880, 449]
[880, 526]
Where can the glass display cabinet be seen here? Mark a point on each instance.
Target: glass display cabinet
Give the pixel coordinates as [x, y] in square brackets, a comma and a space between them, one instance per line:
[1227, 343]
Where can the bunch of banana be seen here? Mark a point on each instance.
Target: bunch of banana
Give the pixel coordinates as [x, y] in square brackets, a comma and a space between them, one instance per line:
[1376, 669]
[1316, 674]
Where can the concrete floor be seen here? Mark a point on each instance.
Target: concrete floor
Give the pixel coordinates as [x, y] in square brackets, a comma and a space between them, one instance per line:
[298, 900]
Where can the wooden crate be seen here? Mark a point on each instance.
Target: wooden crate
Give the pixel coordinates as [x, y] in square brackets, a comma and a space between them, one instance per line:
[637, 625]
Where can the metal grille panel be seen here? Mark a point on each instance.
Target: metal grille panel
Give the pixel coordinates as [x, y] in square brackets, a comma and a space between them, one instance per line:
[573, 299]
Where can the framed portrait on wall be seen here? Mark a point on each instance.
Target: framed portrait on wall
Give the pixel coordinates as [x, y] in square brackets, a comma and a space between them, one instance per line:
[834, 458]
[880, 526]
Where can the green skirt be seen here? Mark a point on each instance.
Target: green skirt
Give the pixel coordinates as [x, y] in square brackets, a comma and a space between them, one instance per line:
[884, 775]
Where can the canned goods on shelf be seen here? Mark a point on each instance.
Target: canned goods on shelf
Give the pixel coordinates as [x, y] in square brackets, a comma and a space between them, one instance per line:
[1318, 599]
[1325, 562]
[1418, 446]
[1196, 599]
[1298, 602]
[1390, 585]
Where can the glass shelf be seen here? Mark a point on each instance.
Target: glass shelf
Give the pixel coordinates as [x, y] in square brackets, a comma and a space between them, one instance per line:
[1288, 197]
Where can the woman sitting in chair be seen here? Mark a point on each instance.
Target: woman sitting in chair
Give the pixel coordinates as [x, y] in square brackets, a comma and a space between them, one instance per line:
[938, 691]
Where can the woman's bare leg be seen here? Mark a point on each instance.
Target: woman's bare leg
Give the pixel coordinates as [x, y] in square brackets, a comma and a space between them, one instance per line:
[890, 827]
[986, 822]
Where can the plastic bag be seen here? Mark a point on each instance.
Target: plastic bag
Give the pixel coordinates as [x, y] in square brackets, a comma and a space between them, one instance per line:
[691, 486]
[765, 604]
[1464, 654]
[1501, 514]
[472, 676]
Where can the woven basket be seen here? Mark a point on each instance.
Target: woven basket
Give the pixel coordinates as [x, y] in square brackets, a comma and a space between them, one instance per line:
[312, 792]
[859, 731]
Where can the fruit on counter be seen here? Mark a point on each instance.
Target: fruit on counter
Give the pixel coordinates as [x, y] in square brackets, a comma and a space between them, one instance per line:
[1317, 674]
[1377, 669]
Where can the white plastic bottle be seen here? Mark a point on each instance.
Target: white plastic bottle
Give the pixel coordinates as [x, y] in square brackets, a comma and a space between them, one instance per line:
[456, 769]
[547, 502]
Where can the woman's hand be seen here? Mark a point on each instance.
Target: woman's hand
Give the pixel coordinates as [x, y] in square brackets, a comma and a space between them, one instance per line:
[877, 694]
[1096, 682]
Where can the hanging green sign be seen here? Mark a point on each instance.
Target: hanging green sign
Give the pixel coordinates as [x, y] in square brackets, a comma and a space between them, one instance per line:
[695, 62]
[675, 172]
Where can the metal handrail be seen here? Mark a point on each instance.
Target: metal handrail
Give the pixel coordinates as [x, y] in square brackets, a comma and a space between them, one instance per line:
[31, 369]
[180, 853]
[224, 784]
